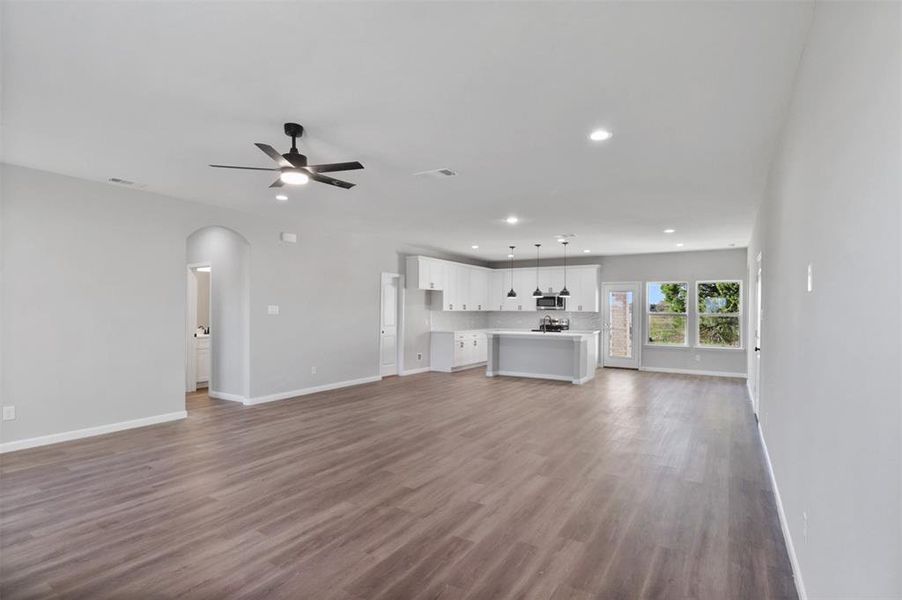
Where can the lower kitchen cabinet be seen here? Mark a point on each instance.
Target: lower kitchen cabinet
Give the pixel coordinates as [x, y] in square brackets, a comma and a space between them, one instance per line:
[455, 350]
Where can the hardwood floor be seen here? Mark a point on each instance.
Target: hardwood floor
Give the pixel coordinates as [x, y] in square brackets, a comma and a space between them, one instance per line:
[635, 485]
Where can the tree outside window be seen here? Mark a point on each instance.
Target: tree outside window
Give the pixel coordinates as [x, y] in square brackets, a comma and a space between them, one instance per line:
[719, 309]
[667, 314]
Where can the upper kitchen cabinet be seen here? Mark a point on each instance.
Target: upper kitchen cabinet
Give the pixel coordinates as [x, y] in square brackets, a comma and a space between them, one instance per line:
[470, 288]
[424, 273]
[551, 280]
[582, 281]
[478, 297]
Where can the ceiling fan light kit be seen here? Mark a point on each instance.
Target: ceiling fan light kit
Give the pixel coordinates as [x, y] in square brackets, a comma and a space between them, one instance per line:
[293, 168]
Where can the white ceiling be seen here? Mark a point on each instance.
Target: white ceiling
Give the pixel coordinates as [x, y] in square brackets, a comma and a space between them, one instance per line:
[503, 93]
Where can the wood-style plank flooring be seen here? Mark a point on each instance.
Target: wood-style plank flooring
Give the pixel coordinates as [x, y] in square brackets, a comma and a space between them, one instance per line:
[635, 485]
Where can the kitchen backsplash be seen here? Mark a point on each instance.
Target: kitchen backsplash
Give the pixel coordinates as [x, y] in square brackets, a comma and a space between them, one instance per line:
[458, 321]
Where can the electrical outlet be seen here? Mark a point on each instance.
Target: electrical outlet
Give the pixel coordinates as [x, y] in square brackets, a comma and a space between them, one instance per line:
[419, 356]
[805, 526]
[9, 413]
[698, 358]
[313, 370]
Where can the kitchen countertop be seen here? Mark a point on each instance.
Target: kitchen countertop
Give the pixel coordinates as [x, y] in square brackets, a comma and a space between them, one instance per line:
[570, 333]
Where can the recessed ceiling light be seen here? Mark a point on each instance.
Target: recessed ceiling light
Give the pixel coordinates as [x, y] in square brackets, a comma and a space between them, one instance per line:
[586, 251]
[475, 246]
[670, 231]
[294, 177]
[600, 135]
[282, 197]
[680, 245]
[511, 220]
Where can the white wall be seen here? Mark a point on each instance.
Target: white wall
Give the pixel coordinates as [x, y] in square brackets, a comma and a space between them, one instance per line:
[94, 302]
[831, 400]
[228, 253]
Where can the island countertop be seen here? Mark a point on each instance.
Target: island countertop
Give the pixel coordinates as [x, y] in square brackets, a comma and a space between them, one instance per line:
[570, 333]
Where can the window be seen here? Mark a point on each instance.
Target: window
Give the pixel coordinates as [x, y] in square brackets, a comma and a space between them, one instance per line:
[667, 316]
[719, 309]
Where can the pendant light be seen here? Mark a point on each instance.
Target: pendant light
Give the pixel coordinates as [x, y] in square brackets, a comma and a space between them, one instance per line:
[565, 292]
[512, 293]
[537, 293]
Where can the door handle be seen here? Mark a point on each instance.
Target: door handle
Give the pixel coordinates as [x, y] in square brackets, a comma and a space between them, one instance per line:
[757, 349]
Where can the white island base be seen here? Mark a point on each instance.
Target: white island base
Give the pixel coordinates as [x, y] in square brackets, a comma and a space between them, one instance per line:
[565, 356]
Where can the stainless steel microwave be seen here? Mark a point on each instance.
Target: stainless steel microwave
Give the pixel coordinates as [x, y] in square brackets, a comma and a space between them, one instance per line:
[551, 303]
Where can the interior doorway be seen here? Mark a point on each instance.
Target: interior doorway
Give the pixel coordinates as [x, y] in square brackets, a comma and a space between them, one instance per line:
[198, 330]
[389, 349]
[620, 345]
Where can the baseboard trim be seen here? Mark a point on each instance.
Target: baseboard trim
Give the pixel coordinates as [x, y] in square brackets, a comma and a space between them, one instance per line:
[225, 396]
[77, 434]
[693, 372]
[787, 537]
[530, 375]
[310, 390]
[415, 371]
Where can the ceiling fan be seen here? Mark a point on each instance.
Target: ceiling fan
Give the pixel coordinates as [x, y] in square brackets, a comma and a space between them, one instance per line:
[293, 168]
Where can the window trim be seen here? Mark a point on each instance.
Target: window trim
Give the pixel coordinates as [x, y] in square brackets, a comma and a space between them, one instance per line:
[739, 315]
[648, 314]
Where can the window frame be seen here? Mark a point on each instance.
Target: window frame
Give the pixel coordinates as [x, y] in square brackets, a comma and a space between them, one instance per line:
[648, 314]
[698, 316]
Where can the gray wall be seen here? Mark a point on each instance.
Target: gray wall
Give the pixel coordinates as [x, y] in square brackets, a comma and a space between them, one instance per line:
[680, 266]
[94, 301]
[830, 389]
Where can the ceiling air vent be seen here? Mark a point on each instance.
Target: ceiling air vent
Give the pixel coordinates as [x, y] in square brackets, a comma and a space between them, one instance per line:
[436, 173]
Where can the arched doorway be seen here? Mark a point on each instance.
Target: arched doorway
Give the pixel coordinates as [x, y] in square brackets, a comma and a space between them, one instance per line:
[222, 255]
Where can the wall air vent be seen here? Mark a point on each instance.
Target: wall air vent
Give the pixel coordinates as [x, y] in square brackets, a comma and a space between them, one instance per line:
[121, 181]
[436, 173]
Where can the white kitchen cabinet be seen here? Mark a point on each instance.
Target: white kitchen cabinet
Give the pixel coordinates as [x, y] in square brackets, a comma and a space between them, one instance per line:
[499, 282]
[456, 350]
[583, 289]
[478, 298]
[471, 288]
[424, 273]
[551, 280]
[524, 284]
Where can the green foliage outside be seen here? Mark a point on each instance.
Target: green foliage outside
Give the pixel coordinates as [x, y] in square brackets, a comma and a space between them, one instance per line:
[719, 298]
[716, 300]
[669, 329]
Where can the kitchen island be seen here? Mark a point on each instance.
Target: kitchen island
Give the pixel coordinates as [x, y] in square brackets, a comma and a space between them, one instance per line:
[564, 356]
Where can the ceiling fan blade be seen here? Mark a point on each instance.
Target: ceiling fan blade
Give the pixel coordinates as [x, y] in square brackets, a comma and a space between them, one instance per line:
[245, 168]
[277, 183]
[343, 166]
[273, 154]
[331, 181]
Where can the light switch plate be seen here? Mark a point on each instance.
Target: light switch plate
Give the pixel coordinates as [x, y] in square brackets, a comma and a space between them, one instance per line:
[272, 309]
[9, 413]
[289, 238]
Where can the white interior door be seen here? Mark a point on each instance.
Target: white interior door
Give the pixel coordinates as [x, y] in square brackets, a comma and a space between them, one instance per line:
[389, 325]
[620, 325]
[756, 381]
